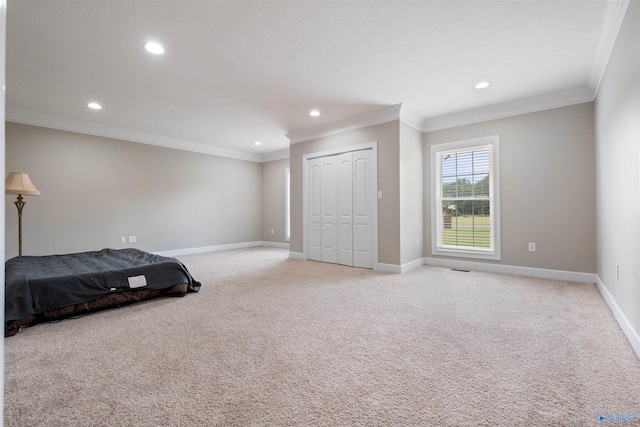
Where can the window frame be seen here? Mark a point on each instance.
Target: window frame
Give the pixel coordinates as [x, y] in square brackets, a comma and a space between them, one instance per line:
[494, 198]
[287, 202]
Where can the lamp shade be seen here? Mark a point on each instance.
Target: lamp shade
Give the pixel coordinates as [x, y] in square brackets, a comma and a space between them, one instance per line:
[20, 183]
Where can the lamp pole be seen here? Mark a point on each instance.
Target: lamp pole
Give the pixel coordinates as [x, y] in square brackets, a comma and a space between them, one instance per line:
[19, 204]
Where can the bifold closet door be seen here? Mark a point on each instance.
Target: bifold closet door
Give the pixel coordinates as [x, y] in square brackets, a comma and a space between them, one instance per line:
[345, 208]
[322, 213]
[314, 213]
[364, 200]
[341, 193]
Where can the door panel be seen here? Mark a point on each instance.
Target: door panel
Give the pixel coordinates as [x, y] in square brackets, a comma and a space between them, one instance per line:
[345, 209]
[314, 241]
[329, 209]
[364, 184]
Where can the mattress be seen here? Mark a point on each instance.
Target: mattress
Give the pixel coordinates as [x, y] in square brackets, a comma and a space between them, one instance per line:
[44, 288]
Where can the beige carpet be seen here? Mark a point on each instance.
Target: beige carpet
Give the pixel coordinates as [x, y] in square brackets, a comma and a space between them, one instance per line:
[271, 341]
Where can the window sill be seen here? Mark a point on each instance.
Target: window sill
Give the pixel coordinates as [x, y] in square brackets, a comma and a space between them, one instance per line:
[461, 253]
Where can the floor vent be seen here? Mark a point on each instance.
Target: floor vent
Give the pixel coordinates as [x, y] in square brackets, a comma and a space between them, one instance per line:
[457, 269]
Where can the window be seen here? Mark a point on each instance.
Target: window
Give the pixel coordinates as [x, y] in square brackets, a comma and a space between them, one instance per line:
[287, 212]
[465, 219]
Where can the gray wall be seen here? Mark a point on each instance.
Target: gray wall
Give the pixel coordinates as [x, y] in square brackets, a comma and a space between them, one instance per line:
[273, 201]
[96, 189]
[411, 193]
[387, 137]
[618, 165]
[547, 177]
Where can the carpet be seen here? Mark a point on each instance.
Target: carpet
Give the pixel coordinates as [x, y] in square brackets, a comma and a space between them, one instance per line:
[273, 341]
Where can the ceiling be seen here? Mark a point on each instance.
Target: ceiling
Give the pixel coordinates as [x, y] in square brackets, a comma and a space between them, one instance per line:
[239, 71]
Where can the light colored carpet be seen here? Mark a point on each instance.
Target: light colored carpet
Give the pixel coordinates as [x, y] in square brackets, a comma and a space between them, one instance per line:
[274, 341]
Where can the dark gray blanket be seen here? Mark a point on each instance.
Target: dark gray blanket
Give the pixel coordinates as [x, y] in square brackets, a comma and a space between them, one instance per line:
[34, 285]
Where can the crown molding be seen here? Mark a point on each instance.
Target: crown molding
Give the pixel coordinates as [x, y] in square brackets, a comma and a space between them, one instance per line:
[372, 118]
[616, 9]
[499, 111]
[53, 122]
[276, 155]
[384, 115]
[411, 118]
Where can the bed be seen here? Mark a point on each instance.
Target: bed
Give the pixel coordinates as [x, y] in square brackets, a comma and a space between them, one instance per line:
[47, 288]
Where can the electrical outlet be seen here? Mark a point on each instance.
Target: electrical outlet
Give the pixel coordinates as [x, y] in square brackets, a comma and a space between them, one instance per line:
[417, 241]
[272, 231]
[132, 239]
[617, 272]
[532, 246]
[123, 239]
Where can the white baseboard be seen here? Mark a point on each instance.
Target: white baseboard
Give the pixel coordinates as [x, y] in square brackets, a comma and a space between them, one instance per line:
[203, 249]
[398, 269]
[275, 244]
[543, 273]
[572, 276]
[625, 325]
[387, 268]
[297, 255]
[411, 265]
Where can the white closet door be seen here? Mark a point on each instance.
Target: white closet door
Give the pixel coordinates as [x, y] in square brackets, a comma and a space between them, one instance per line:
[341, 198]
[345, 208]
[329, 208]
[364, 193]
[314, 218]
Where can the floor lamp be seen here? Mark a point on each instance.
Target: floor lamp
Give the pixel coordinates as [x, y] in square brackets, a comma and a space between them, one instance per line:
[19, 183]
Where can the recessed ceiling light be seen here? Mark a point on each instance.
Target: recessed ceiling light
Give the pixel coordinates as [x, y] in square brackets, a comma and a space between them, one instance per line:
[482, 85]
[314, 113]
[94, 106]
[154, 47]
[257, 143]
